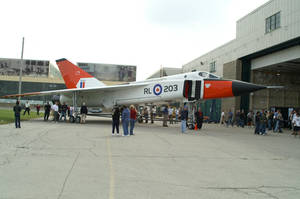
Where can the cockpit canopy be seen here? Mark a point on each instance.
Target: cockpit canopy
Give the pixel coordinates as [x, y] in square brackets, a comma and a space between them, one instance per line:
[207, 75]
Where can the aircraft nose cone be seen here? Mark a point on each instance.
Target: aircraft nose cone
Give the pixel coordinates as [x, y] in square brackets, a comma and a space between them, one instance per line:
[240, 88]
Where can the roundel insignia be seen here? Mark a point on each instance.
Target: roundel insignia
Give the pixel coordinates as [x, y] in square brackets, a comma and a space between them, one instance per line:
[157, 89]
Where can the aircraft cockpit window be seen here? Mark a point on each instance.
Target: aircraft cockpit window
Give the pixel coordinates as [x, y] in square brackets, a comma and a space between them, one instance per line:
[203, 74]
[211, 76]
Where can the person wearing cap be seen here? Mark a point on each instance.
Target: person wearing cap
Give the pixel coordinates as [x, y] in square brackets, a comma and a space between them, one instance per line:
[17, 110]
[83, 112]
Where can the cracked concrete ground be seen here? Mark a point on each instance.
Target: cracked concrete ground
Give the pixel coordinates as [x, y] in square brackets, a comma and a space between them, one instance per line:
[62, 161]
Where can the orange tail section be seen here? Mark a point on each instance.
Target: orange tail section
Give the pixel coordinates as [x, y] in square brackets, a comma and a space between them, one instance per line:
[75, 77]
[71, 73]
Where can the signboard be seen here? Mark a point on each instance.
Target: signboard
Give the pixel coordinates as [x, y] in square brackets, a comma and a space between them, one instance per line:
[110, 72]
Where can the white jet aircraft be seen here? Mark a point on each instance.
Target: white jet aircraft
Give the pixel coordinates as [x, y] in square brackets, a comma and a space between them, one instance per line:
[82, 87]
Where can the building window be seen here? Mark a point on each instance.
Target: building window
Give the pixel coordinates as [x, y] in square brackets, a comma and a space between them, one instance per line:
[82, 64]
[40, 63]
[273, 22]
[212, 67]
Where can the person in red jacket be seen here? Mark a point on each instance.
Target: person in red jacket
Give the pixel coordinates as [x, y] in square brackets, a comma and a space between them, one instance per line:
[199, 118]
[38, 107]
[132, 118]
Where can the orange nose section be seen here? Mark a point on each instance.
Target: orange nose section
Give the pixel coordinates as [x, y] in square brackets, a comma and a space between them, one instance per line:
[217, 89]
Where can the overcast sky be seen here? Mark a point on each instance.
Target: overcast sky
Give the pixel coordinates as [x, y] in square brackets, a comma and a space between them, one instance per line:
[145, 33]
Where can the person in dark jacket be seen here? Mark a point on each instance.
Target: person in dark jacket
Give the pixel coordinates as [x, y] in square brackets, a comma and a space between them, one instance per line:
[64, 109]
[199, 118]
[263, 123]
[125, 120]
[115, 120]
[242, 118]
[146, 115]
[47, 109]
[165, 116]
[257, 122]
[184, 118]
[17, 110]
[83, 112]
[270, 120]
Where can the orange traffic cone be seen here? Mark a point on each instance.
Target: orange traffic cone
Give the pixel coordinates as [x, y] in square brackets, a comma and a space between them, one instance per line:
[196, 128]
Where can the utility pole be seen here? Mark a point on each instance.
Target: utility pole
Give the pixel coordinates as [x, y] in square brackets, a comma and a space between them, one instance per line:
[21, 70]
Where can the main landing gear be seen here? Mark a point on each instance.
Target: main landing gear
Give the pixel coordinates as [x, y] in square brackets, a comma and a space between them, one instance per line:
[75, 116]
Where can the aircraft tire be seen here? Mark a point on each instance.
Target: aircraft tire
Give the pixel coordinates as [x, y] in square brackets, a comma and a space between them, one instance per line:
[191, 126]
[72, 119]
[78, 119]
[140, 119]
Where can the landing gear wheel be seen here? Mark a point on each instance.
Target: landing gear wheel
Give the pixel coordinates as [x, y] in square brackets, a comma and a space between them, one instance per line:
[78, 119]
[72, 119]
[140, 119]
[191, 126]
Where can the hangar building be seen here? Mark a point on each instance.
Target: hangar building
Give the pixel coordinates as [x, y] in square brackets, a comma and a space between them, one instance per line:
[266, 51]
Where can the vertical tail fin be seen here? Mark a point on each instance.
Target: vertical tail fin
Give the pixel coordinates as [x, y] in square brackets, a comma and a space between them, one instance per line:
[75, 77]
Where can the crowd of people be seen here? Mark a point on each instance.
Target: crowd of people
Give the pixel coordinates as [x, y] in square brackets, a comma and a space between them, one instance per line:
[170, 114]
[262, 121]
[173, 115]
[128, 119]
[59, 112]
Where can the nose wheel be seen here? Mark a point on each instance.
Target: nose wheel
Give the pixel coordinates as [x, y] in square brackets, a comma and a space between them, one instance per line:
[77, 119]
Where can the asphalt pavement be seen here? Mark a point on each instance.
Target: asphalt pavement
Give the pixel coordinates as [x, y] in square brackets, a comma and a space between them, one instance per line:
[75, 161]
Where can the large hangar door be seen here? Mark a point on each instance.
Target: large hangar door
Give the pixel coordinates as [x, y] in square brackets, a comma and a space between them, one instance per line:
[281, 68]
[276, 58]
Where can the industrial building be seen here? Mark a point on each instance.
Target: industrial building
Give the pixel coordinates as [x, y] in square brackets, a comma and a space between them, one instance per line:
[110, 72]
[266, 51]
[42, 75]
[37, 75]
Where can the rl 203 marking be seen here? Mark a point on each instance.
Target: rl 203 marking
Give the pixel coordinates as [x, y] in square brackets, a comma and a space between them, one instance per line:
[158, 89]
[171, 88]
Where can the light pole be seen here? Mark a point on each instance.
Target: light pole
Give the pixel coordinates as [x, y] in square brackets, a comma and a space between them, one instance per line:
[21, 70]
